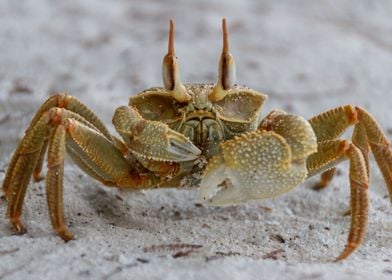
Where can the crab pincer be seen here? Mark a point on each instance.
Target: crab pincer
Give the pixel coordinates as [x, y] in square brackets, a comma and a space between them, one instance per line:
[260, 164]
[152, 139]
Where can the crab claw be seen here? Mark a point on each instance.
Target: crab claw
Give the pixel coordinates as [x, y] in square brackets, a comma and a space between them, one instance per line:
[152, 140]
[220, 185]
[253, 166]
[178, 147]
[155, 140]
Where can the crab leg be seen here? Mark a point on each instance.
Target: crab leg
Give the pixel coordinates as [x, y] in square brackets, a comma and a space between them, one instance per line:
[54, 182]
[92, 151]
[19, 172]
[361, 140]
[367, 133]
[72, 104]
[37, 176]
[94, 154]
[325, 178]
[379, 145]
[60, 101]
[329, 154]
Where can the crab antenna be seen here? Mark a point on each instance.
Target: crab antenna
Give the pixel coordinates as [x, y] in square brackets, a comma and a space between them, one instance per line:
[171, 71]
[226, 78]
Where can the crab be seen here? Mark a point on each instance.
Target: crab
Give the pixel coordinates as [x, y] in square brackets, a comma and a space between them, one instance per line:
[166, 131]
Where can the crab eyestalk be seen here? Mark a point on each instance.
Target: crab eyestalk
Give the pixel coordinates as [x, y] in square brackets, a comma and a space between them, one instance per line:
[226, 78]
[171, 71]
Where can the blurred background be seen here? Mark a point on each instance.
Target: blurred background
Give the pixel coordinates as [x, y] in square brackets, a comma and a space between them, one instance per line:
[308, 56]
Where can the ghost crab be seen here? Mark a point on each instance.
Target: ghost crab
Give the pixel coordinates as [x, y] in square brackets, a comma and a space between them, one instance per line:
[165, 129]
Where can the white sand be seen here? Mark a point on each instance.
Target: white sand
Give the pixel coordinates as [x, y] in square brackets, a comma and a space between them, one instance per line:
[309, 56]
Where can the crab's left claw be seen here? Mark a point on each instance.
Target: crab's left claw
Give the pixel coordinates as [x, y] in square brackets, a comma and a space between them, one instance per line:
[246, 169]
[259, 164]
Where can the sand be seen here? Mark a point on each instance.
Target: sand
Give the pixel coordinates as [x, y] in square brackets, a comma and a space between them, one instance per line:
[308, 56]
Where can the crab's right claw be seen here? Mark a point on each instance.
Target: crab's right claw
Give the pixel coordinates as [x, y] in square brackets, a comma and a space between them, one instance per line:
[153, 140]
[156, 141]
[253, 166]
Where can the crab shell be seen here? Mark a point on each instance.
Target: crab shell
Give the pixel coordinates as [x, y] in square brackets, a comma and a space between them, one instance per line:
[249, 159]
[204, 122]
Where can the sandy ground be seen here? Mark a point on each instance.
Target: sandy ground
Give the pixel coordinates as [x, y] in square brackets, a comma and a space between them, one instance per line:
[309, 56]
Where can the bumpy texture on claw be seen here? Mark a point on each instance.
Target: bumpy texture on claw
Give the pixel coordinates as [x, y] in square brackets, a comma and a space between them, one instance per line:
[260, 164]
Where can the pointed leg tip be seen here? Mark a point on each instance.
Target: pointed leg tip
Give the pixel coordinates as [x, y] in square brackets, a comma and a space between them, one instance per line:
[38, 177]
[346, 253]
[66, 235]
[340, 258]
[318, 187]
[18, 227]
[347, 213]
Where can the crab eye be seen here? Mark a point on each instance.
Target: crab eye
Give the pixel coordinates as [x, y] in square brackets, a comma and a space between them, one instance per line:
[227, 73]
[171, 71]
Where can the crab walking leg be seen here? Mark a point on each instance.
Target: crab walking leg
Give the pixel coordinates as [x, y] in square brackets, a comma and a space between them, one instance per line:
[72, 104]
[367, 133]
[325, 178]
[94, 154]
[329, 126]
[60, 101]
[41, 158]
[29, 155]
[101, 159]
[57, 114]
[15, 168]
[36, 138]
[92, 151]
[359, 201]
[54, 182]
[360, 140]
[379, 145]
[331, 153]
[328, 155]
[19, 173]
